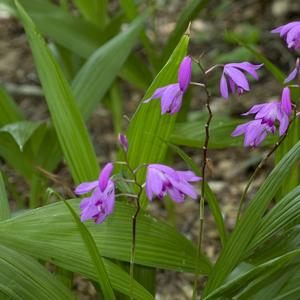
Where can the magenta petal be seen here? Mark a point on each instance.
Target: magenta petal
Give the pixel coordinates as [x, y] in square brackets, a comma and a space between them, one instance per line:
[240, 129]
[238, 77]
[157, 94]
[254, 109]
[291, 76]
[184, 73]
[168, 97]
[248, 67]
[104, 176]
[86, 187]
[175, 195]
[284, 123]
[176, 104]
[286, 103]
[188, 176]
[224, 87]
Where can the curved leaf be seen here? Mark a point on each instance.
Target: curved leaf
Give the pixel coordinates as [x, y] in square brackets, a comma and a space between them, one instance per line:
[22, 277]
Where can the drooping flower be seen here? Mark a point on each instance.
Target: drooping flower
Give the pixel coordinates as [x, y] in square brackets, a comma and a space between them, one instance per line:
[294, 73]
[102, 201]
[162, 180]
[268, 113]
[234, 79]
[290, 32]
[123, 142]
[171, 95]
[255, 132]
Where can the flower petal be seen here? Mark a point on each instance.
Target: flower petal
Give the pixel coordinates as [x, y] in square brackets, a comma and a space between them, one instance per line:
[157, 94]
[286, 103]
[104, 176]
[86, 187]
[224, 87]
[168, 97]
[238, 77]
[185, 73]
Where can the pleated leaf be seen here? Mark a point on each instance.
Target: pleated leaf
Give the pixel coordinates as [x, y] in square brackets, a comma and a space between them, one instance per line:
[4, 205]
[247, 226]
[70, 128]
[22, 277]
[51, 227]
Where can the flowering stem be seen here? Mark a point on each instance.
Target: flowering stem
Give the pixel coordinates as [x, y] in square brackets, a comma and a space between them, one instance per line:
[276, 145]
[133, 221]
[203, 169]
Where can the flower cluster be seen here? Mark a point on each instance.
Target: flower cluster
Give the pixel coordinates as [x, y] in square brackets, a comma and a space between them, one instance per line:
[164, 181]
[265, 116]
[161, 181]
[102, 201]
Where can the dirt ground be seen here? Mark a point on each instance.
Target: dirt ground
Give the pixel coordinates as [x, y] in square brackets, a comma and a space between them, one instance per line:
[230, 168]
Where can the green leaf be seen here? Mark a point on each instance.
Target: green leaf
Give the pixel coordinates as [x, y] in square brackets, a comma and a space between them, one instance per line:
[148, 128]
[189, 12]
[247, 226]
[192, 134]
[22, 277]
[63, 27]
[232, 286]
[158, 244]
[102, 67]
[4, 205]
[94, 253]
[95, 11]
[71, 131]
[21, 131]
[282, 214]
[9, 111]
[209, 194]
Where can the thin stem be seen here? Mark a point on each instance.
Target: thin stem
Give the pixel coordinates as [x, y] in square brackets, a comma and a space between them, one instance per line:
[258, 168]
[213, 67]
[126, 195]
[203, 170]
[134, 221]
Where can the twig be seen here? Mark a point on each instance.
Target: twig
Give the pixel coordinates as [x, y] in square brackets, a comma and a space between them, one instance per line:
[258, 168]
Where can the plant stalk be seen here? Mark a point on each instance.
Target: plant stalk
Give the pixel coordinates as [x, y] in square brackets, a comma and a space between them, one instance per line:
[203, 170]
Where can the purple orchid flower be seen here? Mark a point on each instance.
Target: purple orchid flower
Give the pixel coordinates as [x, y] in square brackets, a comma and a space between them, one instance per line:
[171, 95]
[162, 180]
[255, 132]
[236, 79]
[294, 73]
[268, 113]
[102, 201]
[286, 101]
[290, 32]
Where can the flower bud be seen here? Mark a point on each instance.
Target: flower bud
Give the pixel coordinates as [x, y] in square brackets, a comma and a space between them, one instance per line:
[123, 142]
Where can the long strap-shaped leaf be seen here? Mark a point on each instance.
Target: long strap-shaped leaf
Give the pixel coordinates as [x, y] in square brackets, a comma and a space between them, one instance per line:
[22, 277]
[68, 122]
[90, 244]
[158, 244]
[148, 128]
[246, 228]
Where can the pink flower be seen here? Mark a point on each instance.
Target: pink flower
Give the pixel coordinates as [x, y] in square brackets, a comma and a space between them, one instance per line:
[234, 79]
[294, 73]
[255, 132]
[102, 201]
[290, 32]
[162, 180]
[171, 95]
